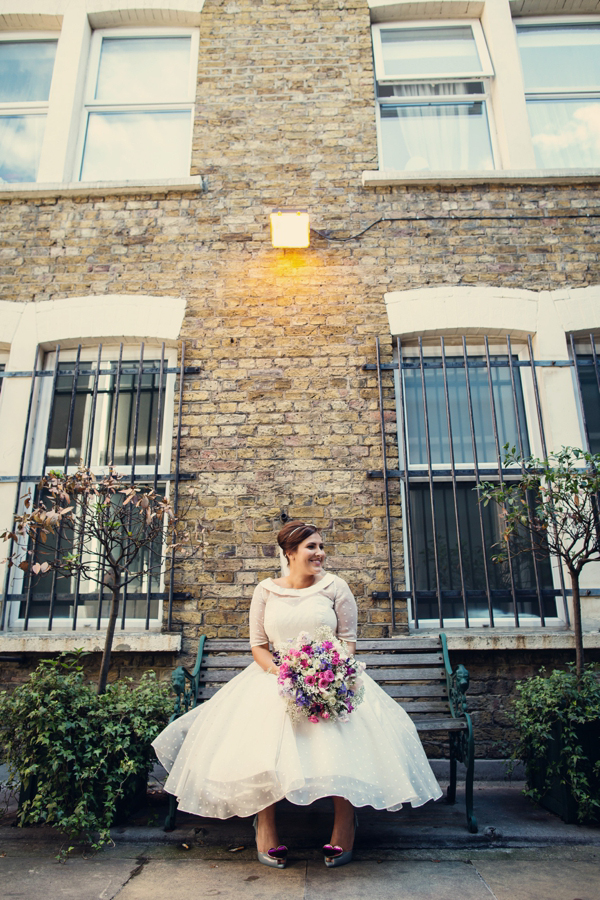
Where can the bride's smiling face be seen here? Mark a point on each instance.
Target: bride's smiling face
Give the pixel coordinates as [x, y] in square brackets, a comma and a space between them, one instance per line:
[309, 556]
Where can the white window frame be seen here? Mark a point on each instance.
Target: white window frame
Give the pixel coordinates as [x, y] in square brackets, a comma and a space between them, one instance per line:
[91, 105]
[30, 107]
[43, 403]
[484, 76]
[487, 70]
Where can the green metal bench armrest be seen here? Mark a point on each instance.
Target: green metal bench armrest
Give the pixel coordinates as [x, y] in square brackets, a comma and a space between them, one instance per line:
[457, 681]
[186, 684]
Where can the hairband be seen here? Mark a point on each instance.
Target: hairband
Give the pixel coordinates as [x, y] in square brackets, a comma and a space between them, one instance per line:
[305, 525]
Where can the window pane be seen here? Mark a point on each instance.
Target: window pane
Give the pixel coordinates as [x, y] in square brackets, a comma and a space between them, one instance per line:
[20, 147]
[26, 70]
[591, 398]
[103, 427]
[152, 70]
[139, 145]
[565, 133]
[560, 56]
[459, 413]
[472, 556]
[412, 52]
[436, 136]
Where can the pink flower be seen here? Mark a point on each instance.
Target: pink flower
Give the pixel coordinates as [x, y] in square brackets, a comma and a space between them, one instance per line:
[314, 719]
[327, 645]
[310, 679]
[335, 658]
[328, 675]
[323, 683]
[325, 715]
[305, 663]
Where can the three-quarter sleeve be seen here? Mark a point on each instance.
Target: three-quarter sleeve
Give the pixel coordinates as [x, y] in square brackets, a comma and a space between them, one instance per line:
[346, 611]
[258, 634]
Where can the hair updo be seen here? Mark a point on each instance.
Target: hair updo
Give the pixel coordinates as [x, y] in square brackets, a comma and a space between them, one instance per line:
[292, 534]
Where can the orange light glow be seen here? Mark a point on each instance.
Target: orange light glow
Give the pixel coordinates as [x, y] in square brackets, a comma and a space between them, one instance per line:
[290, 228]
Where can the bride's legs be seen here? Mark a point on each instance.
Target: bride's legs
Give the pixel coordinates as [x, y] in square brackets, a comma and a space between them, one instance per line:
[266, 832]
[343, 824]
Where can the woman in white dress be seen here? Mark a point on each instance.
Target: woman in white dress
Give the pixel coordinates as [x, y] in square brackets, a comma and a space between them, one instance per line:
[240, 752]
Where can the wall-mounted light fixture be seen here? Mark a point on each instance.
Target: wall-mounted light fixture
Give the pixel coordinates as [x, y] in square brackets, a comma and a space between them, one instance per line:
[290, 228]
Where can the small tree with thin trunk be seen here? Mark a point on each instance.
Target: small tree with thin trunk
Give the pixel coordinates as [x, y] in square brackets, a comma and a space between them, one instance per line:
[554, 502]
[104, 530]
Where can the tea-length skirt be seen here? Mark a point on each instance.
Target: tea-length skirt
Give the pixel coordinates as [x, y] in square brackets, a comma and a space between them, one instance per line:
[240, 751]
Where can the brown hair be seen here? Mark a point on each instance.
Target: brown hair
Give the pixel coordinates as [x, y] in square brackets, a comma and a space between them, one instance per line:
[292, 534]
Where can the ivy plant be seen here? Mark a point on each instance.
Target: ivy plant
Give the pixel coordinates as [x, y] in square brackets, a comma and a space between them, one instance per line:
[556, 707]
[78, 754]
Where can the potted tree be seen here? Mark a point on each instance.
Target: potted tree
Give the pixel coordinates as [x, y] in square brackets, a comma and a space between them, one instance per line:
[80, 760]
[552, 509]
[110, 532]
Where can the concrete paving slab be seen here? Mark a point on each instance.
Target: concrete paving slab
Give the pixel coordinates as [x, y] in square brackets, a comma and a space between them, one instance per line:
[514, 879]
[391, 880]
[78, 879]
[160, 880]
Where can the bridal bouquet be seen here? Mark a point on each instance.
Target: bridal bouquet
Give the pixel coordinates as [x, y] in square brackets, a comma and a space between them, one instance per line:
[317, 678]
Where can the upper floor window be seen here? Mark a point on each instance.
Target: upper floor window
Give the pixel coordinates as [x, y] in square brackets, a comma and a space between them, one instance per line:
[25, 76]
[138, 112]
[432, 87]
[561, 71]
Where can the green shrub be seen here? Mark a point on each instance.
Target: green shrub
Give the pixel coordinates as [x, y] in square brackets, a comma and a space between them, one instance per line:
[543, 703]
[77, 752]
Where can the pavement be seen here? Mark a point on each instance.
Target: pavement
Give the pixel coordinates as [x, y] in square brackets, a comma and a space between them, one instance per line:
[521, 852]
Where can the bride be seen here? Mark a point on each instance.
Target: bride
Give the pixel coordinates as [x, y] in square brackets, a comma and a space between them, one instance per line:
[240, 752]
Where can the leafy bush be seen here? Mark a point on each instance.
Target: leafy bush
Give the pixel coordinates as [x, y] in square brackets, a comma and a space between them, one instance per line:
[77, 753]
[559, 699]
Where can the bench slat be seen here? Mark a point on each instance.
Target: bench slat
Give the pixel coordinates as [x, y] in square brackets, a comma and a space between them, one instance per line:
[382, 676]
[401, 659]
[403, 643]
[424, 706]
[415, 690]
[234, 662]
[389, 659]
[407, 674]
[441, 724]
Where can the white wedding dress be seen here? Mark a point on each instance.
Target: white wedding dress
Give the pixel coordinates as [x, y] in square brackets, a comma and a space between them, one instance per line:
[240, 751]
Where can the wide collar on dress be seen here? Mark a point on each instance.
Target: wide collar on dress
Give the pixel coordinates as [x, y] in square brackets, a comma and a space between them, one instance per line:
[325, 581]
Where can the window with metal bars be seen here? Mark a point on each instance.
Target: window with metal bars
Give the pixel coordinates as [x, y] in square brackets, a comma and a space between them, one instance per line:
[100, 407]
[458, 403]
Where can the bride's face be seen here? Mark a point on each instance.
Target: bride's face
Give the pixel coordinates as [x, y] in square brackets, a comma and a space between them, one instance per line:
[309, 556]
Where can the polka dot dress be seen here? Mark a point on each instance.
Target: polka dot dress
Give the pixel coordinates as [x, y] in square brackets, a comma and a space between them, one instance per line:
[240, 751]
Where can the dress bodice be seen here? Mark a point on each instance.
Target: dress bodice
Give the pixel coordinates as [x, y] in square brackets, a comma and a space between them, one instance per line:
[279, 614]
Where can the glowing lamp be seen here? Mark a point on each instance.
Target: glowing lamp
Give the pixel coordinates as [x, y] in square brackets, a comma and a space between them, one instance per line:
[290, 228]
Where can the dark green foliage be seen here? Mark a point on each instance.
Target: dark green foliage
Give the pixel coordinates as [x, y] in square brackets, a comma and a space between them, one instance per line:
[78, 752]
[545, 702]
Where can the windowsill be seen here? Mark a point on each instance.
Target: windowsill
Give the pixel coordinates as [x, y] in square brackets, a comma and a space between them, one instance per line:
[389, 177]
[56, 642]
[35, 190]
[534, 638]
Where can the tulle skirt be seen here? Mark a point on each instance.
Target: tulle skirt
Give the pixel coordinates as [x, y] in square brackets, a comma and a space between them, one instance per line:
[240, 751]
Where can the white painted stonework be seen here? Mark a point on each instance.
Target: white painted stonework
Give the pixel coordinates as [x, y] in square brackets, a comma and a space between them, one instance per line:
[56, 642]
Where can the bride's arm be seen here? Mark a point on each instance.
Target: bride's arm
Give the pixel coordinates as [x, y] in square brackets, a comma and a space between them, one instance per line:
[263, 656]
[259, 641]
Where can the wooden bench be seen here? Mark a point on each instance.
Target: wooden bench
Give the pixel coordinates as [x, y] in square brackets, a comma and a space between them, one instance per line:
[416, 672]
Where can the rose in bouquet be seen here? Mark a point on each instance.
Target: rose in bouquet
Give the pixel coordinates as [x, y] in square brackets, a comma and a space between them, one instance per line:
[319, 679]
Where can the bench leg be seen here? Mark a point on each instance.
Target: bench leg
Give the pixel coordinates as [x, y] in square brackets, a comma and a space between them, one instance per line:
[451, 792]
[172, 814]
[470, 763]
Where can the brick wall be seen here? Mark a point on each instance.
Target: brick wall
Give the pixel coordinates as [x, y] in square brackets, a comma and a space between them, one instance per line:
[282, 416]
